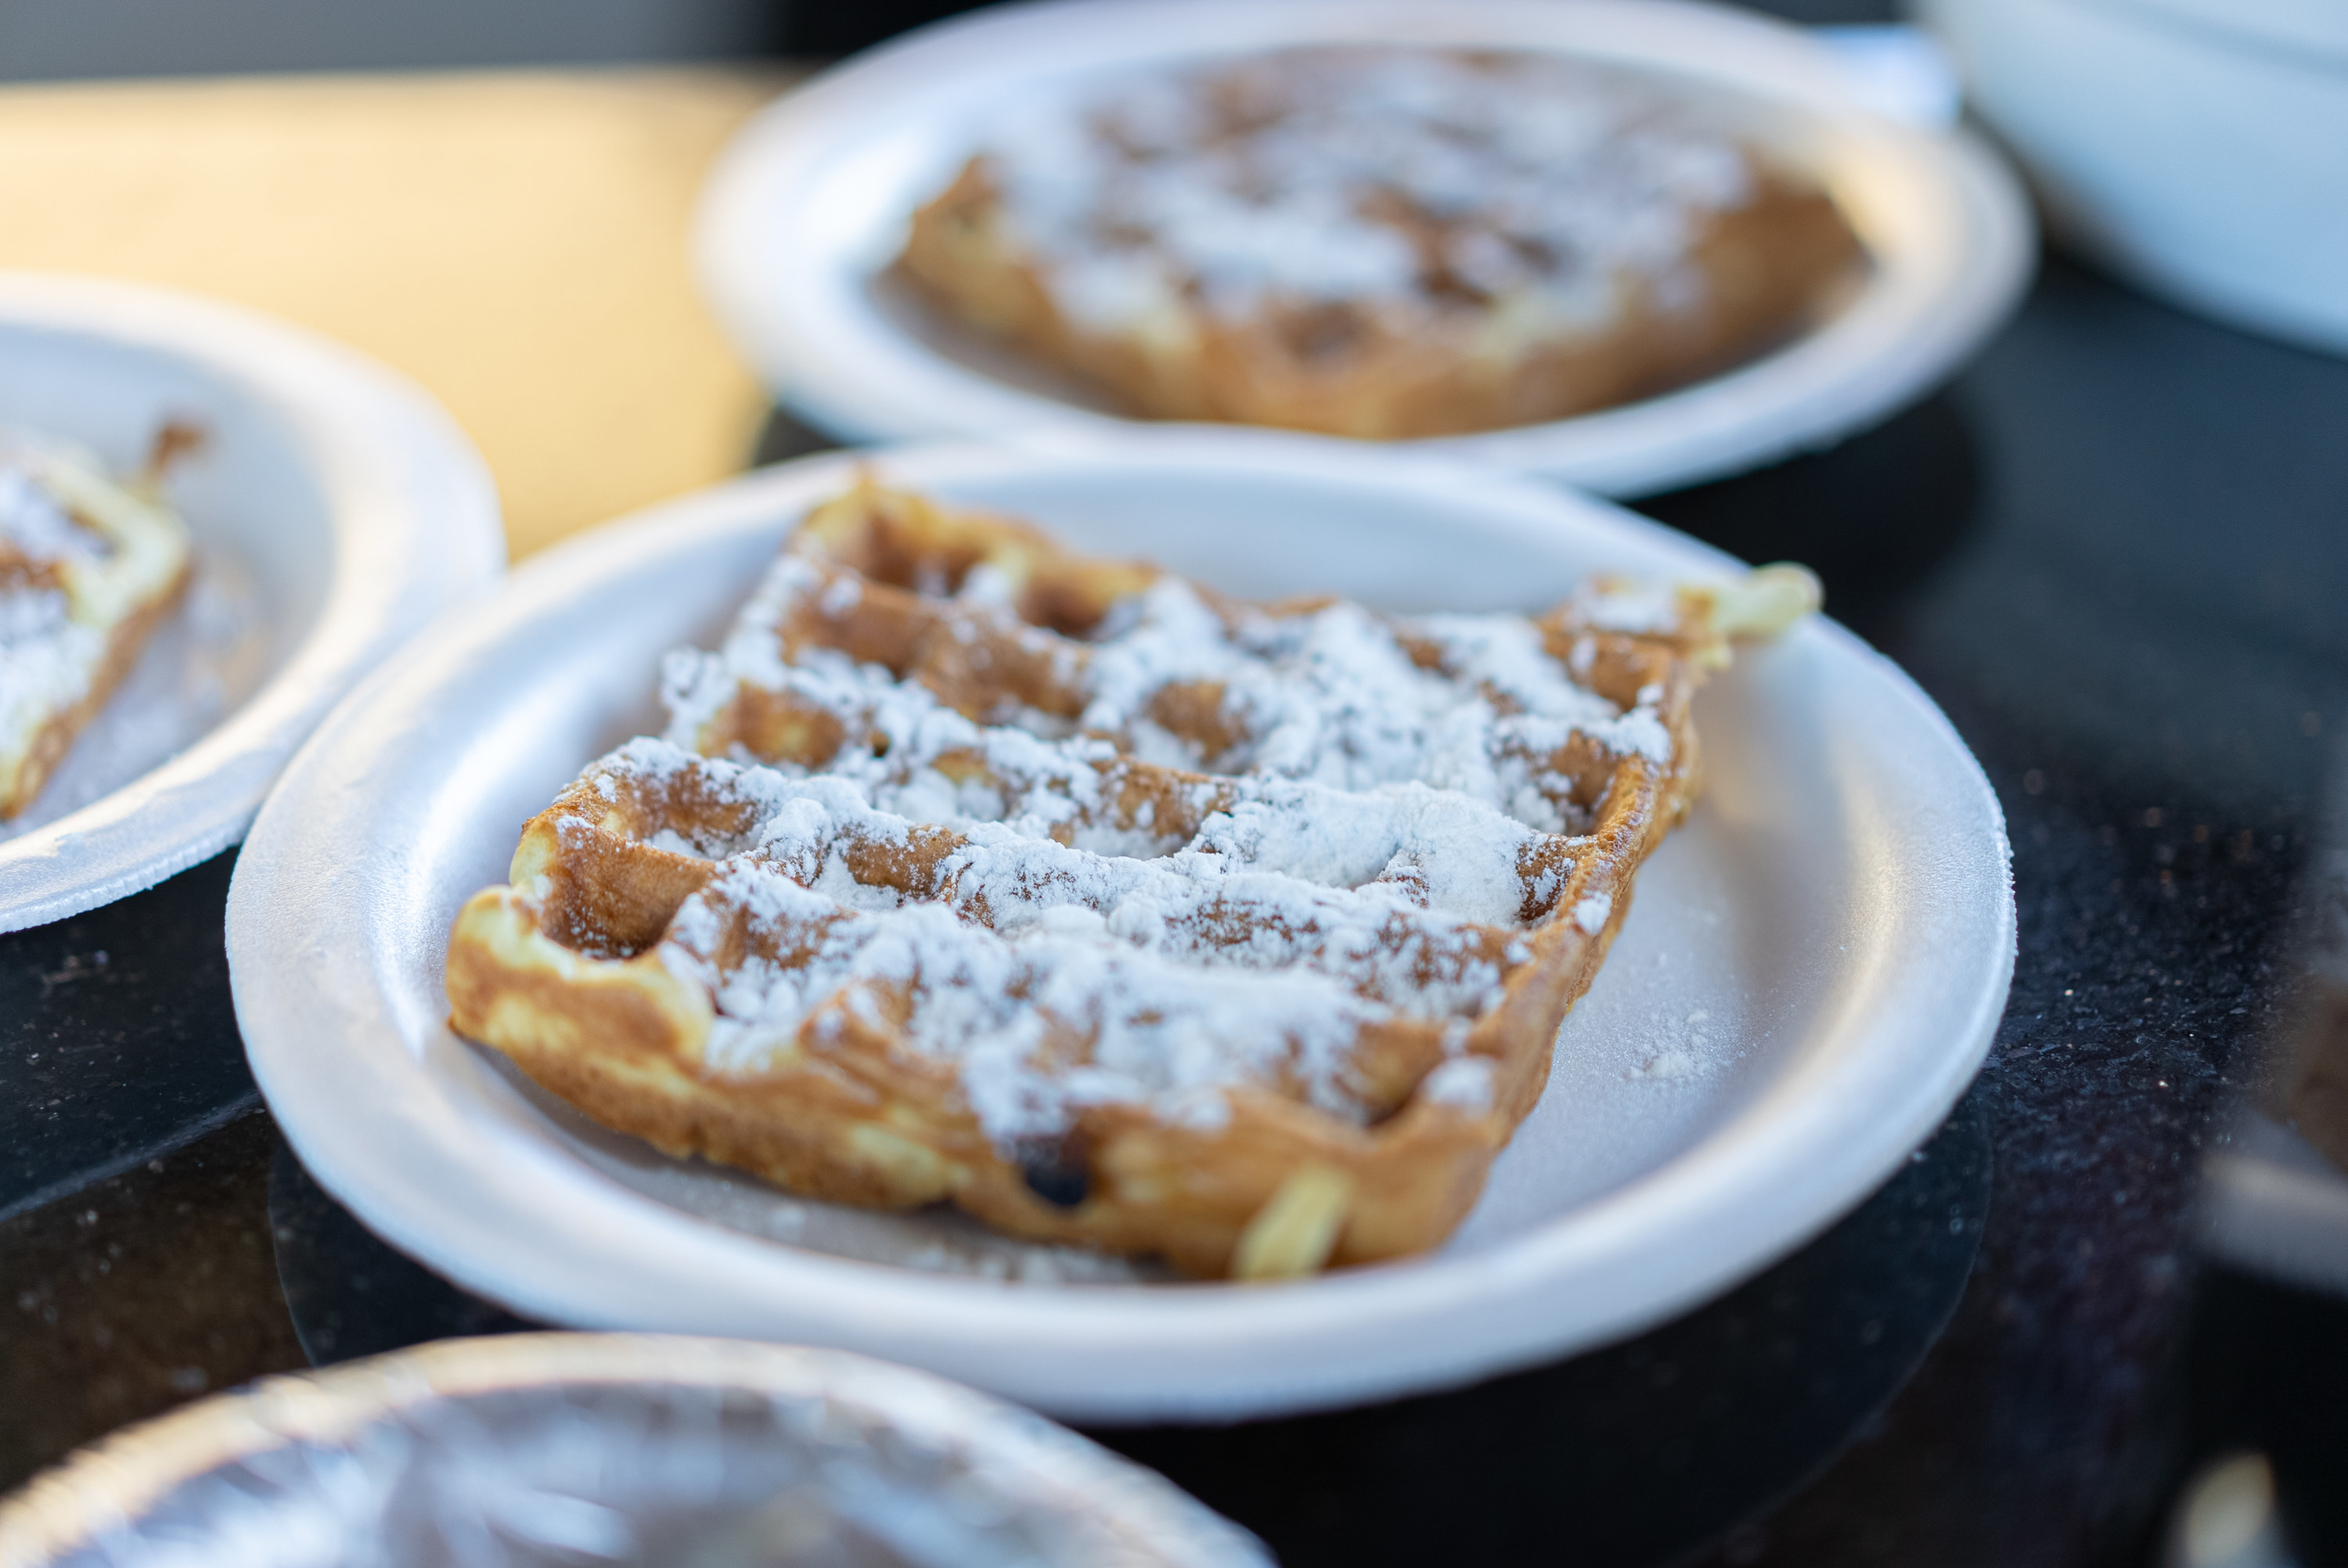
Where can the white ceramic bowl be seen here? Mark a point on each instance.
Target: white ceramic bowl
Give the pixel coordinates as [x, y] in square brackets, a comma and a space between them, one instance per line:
[2197, 146]
[811, 202]
[335, 510]
[1812, 973]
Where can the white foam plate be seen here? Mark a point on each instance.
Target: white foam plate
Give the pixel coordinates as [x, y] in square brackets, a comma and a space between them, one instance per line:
[810, 204]
[1809, 979]
[335, 510]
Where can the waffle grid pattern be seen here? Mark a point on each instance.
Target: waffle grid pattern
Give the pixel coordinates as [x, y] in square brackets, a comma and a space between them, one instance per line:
[1380, 242]
[1116, 912]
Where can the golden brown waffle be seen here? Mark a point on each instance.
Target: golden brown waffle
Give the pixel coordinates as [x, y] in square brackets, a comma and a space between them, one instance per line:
[88, 569]
[1114, 911]
[1382, 243]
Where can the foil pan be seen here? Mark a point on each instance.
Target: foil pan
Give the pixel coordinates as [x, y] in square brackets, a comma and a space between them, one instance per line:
[335, 510]
[572, 1450]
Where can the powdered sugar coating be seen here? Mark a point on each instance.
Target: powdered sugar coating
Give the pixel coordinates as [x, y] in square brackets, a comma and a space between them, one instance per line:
[1160, 1031]
[32, 523]
[1330, 694]
[1396, 178]
[1180, 973]
[1378, 820]
[46, 660]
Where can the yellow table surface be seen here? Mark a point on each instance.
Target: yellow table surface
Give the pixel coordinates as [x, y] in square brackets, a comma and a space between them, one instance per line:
[516, 241]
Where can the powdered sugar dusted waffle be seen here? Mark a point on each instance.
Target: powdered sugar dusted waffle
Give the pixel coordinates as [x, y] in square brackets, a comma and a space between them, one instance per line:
[1381, 242]
[1113, 910]
[88, 569]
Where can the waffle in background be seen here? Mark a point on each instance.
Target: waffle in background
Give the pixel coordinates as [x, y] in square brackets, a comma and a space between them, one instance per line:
[516, 241]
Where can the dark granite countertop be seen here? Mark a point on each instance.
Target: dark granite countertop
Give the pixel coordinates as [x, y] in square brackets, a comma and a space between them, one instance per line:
[2113, 550]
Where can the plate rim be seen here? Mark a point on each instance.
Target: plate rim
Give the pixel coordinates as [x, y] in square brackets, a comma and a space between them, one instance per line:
[1024, 1341]
[866, 380]
[416, 529]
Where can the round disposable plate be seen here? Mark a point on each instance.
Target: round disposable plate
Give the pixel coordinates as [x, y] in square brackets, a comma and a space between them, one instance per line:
[575, 1449]
[811, 203]
[335, 510]
[1808, 980]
